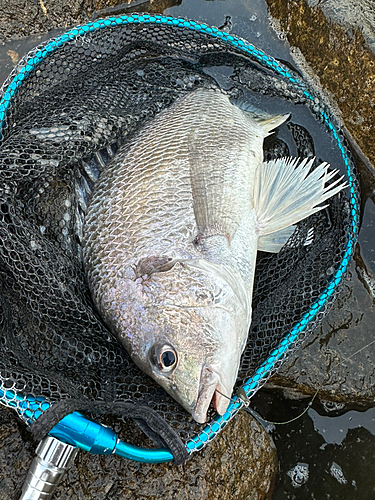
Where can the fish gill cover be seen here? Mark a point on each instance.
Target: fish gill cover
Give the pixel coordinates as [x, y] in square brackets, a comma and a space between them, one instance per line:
[65, 110]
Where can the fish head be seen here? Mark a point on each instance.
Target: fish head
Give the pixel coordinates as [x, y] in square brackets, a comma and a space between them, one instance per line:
[189, 328]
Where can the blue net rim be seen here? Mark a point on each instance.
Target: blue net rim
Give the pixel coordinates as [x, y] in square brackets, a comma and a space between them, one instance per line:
[30, 407]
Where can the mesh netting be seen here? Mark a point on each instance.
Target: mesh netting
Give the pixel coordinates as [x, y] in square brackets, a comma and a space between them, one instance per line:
[65, 110]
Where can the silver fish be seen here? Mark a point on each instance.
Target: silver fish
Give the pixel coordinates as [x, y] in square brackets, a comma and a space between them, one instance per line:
[171, 235]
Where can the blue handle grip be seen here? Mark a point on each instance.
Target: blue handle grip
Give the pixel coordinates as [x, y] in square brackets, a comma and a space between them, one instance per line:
[77, 430]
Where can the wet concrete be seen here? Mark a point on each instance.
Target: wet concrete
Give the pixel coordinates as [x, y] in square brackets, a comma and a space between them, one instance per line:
[208, 475]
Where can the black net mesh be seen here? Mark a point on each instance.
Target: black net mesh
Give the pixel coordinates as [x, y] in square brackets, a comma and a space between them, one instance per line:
[78, 104]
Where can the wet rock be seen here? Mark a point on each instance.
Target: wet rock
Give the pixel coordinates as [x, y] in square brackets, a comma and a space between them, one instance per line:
[351, 14]
[338, 360]
[16, 454]
[104, 8]
[340, 58]
[240, 463]
[20, 18]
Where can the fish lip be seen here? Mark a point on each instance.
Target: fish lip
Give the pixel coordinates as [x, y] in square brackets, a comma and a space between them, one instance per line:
[210, 381]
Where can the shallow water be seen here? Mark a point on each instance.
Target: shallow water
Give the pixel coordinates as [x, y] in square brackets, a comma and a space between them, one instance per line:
[328, 452]
[325, 454]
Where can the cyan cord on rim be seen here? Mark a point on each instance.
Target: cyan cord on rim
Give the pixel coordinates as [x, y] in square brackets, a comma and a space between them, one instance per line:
[75, 428]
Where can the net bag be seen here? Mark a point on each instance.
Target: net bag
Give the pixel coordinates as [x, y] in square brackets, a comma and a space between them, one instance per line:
[64, 111]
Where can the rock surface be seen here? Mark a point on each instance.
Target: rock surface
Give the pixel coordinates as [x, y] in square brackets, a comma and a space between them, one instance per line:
[240, 463]
[338, 359]
[340, 59]
[351, 14]
[20, 18]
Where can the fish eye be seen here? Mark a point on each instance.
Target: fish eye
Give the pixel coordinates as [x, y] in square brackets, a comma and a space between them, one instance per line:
[168, 359]
[164, 357]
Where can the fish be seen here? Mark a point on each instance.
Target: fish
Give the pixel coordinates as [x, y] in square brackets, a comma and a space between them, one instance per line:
[171, 235]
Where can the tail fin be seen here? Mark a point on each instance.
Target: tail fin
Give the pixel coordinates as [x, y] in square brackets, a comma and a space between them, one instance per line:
[286, 193]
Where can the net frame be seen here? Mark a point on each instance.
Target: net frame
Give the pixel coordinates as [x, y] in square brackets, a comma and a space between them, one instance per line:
[30, 408]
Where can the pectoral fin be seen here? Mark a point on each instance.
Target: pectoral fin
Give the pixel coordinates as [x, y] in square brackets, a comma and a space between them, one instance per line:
[274, 242]
[153, 264]
[286, 192]
[216, 184]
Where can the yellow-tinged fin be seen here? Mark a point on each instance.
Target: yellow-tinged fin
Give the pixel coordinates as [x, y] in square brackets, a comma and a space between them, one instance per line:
[286, 192]
[271, 123]
[266, 120]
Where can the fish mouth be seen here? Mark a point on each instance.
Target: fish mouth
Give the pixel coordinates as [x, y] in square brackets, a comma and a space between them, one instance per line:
[211, 390]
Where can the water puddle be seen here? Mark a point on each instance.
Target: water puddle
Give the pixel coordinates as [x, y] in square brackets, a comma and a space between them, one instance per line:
[324, 454]
[335, 430]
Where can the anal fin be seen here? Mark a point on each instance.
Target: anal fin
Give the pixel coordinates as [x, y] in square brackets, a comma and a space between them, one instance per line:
[266, 120]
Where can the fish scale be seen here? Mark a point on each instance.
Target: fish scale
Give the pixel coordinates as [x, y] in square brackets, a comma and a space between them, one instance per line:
[171, 236]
